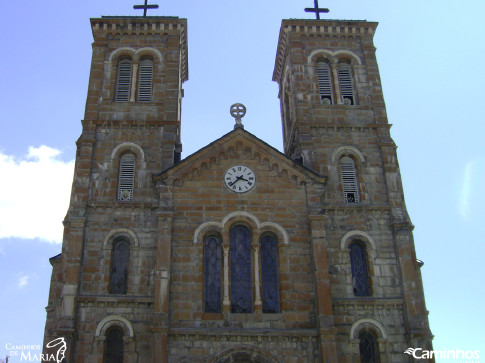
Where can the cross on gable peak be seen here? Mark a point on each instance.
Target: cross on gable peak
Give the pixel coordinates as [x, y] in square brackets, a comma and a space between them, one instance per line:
[316, 10]
[145, 7]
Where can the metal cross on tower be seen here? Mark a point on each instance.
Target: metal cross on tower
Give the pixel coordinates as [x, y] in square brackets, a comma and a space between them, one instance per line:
[316, 10]
[145, 7]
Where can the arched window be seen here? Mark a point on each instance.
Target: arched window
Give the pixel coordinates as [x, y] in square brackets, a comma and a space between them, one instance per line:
[241, 287]
[349, 180]
[114, 347]
[346, 83]
[368, 347]
[212, 274]
[325, 82]
[123, 81]
[145, 82]
[269, 274]
[126, 178]
[360, 271]
[120, 261]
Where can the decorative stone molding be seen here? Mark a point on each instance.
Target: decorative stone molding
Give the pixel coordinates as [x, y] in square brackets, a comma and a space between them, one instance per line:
[120, 232]
[345, 150]
[128, 146]
[116, 320]
[333, 56]
[237, 216]
[362, 323]
[347, 239]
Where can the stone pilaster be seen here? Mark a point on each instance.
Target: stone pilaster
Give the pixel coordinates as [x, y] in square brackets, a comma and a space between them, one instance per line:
[325, 318]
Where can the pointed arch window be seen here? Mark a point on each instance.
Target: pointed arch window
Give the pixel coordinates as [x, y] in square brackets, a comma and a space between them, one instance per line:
[123, 81]
[360, 270]
[145, 81]
[126, 178]
[269, 274]
[349, 180]
[325, 82]
[120, 261]
[212, 274]
[368, 347]
[114, 347]
[241, 287]
[346, 83]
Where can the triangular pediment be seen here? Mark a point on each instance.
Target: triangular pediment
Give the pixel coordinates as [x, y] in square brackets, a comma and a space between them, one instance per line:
[241, 146]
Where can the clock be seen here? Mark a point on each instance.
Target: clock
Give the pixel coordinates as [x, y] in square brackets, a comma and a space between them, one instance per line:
[240, 178]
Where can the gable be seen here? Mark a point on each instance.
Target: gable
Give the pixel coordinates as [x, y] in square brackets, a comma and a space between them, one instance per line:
[236, 147]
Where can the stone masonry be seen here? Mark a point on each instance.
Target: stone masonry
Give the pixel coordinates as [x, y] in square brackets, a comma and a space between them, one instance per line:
[298, 198]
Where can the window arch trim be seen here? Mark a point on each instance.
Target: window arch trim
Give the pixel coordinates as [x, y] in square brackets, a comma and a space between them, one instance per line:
[367, 324]
[351, 236]
[346, 150]
[120, 233]
[114, 320]
[128, 146]
[337, 55]
[233, 219]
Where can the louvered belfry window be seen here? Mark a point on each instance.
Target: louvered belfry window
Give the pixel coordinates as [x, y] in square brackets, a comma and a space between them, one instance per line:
[368, 347]
[241, 287]
[123, 81]
[114, 346]
[126, 177]
[325, 82]
[146, 80]
[360, 272]
[345, 83]
[212, 274]
[349, 180]
[269, 274]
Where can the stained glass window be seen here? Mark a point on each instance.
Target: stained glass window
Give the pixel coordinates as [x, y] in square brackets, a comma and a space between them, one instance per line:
[269, 274]
[360, 274]
[113, 351]
[119, 267]
[212, 274]
[241, 290]
[369, 349]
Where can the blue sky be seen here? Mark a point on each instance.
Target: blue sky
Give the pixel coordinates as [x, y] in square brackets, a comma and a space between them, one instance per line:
[430, 55]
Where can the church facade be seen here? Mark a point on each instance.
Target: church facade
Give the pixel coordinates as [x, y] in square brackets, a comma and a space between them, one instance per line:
[239, 252]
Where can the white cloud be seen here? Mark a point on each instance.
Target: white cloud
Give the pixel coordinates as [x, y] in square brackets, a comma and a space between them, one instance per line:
[34, 194]
[22, 281]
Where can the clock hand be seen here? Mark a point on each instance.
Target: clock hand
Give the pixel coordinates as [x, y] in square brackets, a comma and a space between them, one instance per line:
[235, 181]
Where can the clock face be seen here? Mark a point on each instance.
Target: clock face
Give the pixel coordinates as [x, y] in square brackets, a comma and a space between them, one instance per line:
[240, 178]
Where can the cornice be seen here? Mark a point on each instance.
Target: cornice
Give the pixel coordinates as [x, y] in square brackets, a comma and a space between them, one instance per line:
[144, 26]
[325, 28]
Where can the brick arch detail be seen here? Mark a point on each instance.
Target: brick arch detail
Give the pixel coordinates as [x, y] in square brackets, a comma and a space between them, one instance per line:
[233, 218]
[333, 55]
[347, 149]
[347, 239]
[362, 323]
[120, 232]
[114, 320]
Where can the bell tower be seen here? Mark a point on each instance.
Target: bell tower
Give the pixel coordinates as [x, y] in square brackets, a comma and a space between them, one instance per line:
[334, 121]
[131, 130]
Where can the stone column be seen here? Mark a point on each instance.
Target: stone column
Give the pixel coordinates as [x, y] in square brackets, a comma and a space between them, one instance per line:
[336, 85]
[227, 301]
[133, 83]
[326, 324]
[257, 283]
